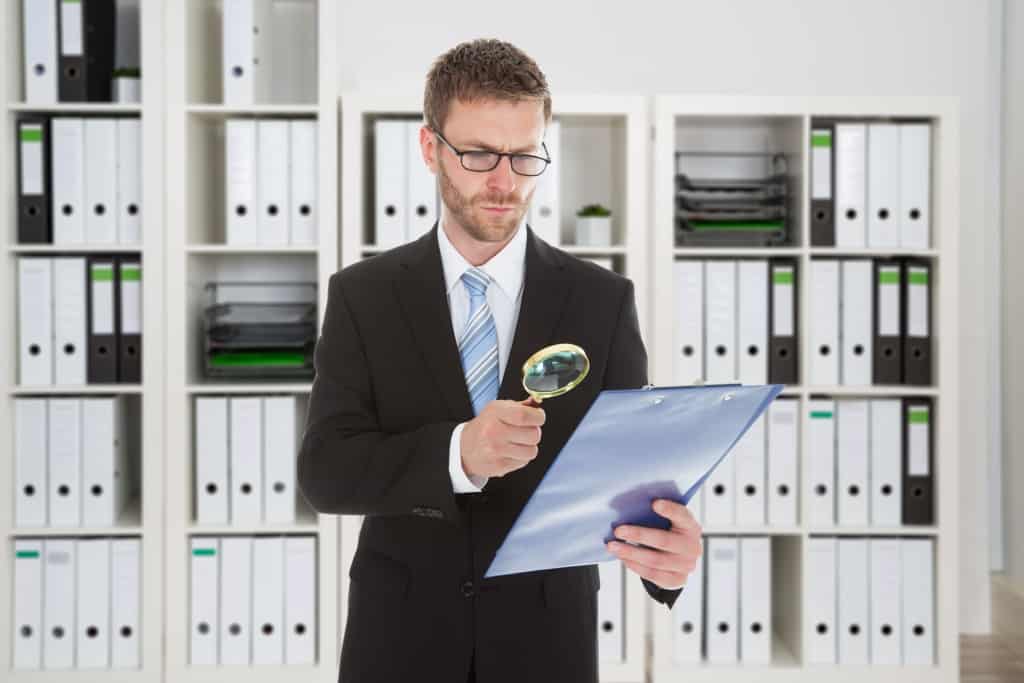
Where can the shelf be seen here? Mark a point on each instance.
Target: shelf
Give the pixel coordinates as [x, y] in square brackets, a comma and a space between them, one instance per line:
[736, 252]
[129, 524]
[75, 249]
[869, 391]
[874, 531]
[250, 249]
[77, 108]
[873, 253]
[231, 530]
[89, 389]
[262, 387]
[223, 110]
[747, 530]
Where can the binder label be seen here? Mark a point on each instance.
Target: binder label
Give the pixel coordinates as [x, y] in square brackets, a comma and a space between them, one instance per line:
[131, 306]
[71, 28]
[889, 301]
[103, 299]
[821, 164]
[917, 302]
[918, 429]
[782, 302]
[32, 158]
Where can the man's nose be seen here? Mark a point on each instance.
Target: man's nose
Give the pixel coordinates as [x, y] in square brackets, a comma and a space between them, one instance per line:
[502, 178]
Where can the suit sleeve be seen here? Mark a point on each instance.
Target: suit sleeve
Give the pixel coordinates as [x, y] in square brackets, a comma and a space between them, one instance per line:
[346, 464]
[627, 369]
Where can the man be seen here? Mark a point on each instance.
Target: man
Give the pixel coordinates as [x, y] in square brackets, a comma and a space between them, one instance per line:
[417, 418]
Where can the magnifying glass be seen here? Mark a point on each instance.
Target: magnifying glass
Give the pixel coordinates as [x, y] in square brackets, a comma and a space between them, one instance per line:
[554, 370]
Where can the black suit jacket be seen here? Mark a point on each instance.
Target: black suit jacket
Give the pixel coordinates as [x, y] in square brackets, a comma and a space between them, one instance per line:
[389, 390]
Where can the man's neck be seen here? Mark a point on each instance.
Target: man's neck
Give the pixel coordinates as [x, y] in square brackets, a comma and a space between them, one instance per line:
[475, 252]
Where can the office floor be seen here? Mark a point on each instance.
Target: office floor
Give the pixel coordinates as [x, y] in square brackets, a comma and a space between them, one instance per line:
[997, 658]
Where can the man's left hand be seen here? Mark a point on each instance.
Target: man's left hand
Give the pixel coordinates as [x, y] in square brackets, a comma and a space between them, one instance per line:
[669, 556]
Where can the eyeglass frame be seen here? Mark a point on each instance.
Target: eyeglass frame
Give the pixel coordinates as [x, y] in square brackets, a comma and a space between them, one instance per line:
[500, 156]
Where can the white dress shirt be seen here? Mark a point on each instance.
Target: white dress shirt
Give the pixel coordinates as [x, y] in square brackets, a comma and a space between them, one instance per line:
[504, 297]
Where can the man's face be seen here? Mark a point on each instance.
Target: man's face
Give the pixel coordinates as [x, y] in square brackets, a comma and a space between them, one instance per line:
[487, 206]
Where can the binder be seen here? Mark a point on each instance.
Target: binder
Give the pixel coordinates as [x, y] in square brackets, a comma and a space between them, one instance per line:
[689, 319]
[918, 602]
[825, 322]
[67, 190]
[100, 181]
[752, 332]
[696, 505]
[610, 612]
[240, 164]
[300, 600]
[917, 339]
[886, 462]
[236, 601]
[749, 457]
[851, 190]
[888, 359]
[854, 599]
[129, 331]
[59, 604]
[820, 636]
[39, 50]
[823, 227]
[65, 461]
[720, 331]
[390, 171]
[104, 461]
[28, 604]
[852, 463]
[723, 597]
[69, 321]
[86, 58]
[129, 181]
[821, 462]
[35, 321]
[783, 438]
[756, 600]
[211, 460]
[304, 205]
[915, 185]
[246, 448]
[125, 592]
[205, 601]
[688, 619]
[886, 601]
[782, 342]
[34, 172]
[856, 333]
[720, 497]
[103, 305]
[279, 458]
[92, 632]
[422, 187]
[30, 448]
[272, 149]
[268, 597]
[602, 261]
[245, 35]
[883, 185]
[918, 482]
[545, 209]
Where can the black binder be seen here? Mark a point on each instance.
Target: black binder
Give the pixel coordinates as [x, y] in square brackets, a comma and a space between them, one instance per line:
[917, 328]
[888, 342]
[823, 224]
[87, 36]
[104, 310]
[34, 225]
[918, 468]
[782, 348]
[129, 319]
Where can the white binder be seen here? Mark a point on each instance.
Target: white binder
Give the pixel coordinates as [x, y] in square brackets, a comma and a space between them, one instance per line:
[304, 205]
[30, 447]
[390, 169]
[688, 619]
[205, 601]
[35, 321]
[854, 600]
[918, 602]
[689, 319]
[212, 483]
[300, 600]
[886, 462]
[886, 601]
[69, 321]
[129, 181]
[824, 293]
[820, 599]
[851, 172]
[67, 136]
[242, 219]
[545, 215]
[783, 437]
[720, 289]
[279, 459]
[92, 614]
[104, 461]
[245, 35]
[610, 610]
[752, 337]
[421, 186]
[101, 181]
[272, 183]
[883, 185]
[915, 185]
[696, 505]
[723, 600]
[857, 334]
[59, 604]
[246, 448]
[821, 462]
[125, 592]
[39, 31]
[750, 464]
[756, 600]
[28, 604]
[236, 601]
[268, 597]
[720, 495]
[65, 461]
[852, 459]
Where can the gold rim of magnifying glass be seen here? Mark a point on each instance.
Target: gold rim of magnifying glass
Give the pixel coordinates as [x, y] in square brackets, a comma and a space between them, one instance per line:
[547, 351]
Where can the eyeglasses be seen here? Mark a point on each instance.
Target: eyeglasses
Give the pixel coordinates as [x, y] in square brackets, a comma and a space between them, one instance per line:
[480, 161]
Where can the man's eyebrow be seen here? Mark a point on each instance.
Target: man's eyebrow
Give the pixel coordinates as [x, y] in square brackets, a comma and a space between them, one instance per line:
[477, 144]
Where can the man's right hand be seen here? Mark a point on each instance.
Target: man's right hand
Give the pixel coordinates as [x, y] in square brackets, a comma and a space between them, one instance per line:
[501, 439]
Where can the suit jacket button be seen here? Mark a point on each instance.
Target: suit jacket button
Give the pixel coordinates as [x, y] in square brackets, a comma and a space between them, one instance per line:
[468, 589]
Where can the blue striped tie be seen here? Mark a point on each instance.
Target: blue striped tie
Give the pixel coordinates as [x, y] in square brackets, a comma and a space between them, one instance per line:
[478, 347]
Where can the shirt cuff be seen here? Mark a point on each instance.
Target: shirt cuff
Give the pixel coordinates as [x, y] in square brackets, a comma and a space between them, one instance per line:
[461, 482]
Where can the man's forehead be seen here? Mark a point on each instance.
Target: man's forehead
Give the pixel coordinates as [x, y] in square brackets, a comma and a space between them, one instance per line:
[497, 124]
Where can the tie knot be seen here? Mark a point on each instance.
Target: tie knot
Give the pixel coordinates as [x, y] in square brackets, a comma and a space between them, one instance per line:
[476, 281]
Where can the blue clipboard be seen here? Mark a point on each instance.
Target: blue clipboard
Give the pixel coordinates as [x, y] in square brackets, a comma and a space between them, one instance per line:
[632, 447]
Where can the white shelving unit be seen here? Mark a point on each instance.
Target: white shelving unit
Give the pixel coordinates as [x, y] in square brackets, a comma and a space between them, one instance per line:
[679, 121]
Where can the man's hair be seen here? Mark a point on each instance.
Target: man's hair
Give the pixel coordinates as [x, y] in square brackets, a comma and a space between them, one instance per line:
[482, 69]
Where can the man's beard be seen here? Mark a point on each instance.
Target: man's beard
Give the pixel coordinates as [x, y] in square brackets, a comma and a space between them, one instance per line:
[468, 212]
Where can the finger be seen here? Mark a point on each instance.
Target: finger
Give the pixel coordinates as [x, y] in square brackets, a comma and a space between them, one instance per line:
[519, 415]
[524, 436]
[663, 579]
[521, 454]
[652, 538]
[677, 513]
[653, 559]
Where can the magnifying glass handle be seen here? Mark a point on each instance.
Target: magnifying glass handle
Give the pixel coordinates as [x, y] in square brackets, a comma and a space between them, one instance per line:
[531, 402]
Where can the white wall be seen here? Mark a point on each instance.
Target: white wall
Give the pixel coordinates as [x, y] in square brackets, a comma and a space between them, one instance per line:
[807, 47]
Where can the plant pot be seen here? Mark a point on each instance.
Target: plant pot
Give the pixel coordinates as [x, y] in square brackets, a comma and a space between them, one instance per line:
[594, 231]
[127, 89]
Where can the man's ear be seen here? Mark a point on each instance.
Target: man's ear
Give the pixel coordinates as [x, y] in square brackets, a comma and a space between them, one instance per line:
[428, 148]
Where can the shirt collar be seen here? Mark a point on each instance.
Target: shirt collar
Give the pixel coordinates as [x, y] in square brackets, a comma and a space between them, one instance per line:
[506, 267]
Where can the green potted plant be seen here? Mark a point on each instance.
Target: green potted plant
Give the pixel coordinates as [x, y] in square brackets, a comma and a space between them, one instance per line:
[594, 226]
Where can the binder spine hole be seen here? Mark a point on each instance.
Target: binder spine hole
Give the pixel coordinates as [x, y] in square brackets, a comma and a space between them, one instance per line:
[723, 627]
[755, 627]
[32, 211]
[821, 489]
[26, 631]
[126, 631]
[30, 490]
[67, 209]
[751, 489]
[687, 351]
[279, 487]
[305, 210]
[783, 490]
[851, 214]
[545, 211]
[272, 209]
[97, 490]
[203, 628]
[720, 350]
[887, 630]
[888, 352]
[63, 490]
[131, 351]
[92, 632]
[918, 630]
[858, 350]
[300, 629]
[71, 72]
[854, 630]
[854, 490]
[235, 629]
[820, 216]
[915, 214]
[133, 209]
[246, 488]
[236, 71]
[240, 210]
[783, 353]
[607, 626]
[69, 349]
[211, 488]
[918, 492]
[390, 210]
[99, 209]
[102, 350]
[58, 632]
[421, 210]
[268, 629]
[39, 69]
[917, 354]
[887, 490]
[822, 629]
[719, 489]
[824, 349]
[688, 627]
[883, 214]
[752, 350]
